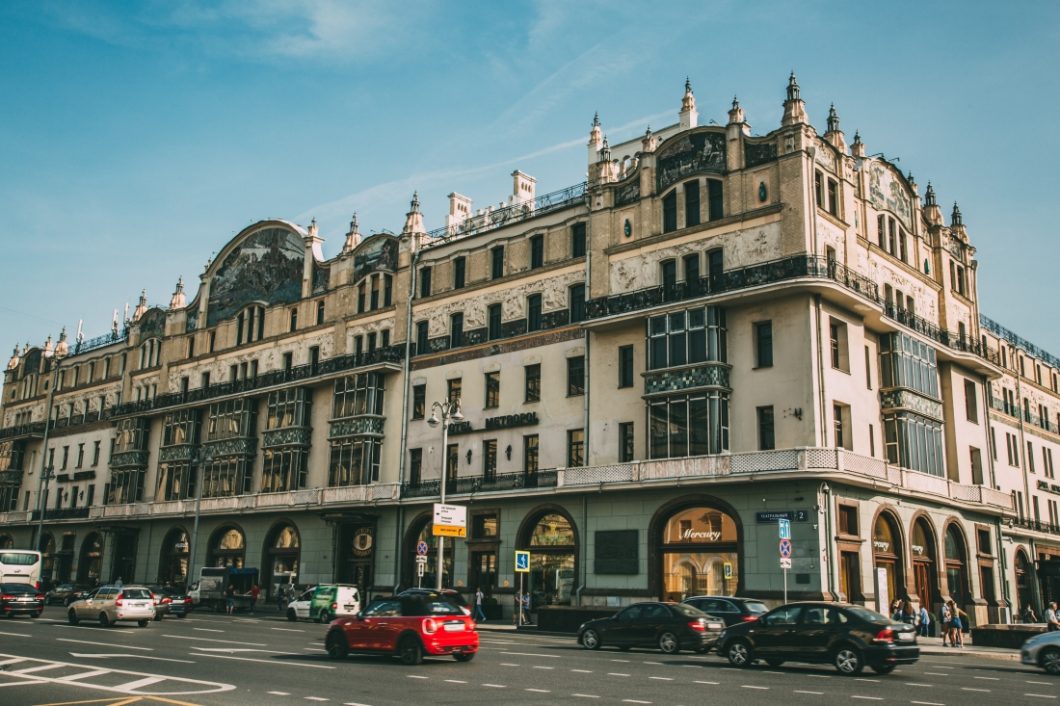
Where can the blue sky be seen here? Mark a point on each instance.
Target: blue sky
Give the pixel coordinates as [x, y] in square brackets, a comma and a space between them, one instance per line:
[137, 138]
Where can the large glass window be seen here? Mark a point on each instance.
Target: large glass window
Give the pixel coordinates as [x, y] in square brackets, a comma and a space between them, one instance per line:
[552, 548]
[700, 554]
[227, 548]
[683, 337]
[354, 461]
[914, 442]
[689, 425]
[358, 394]
[907, 362]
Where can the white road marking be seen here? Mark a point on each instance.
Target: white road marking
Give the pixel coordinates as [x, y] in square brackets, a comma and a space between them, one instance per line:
[927, 703]
[586, 696]
[91, 655]
[103, 644]
[634, 701]
[240, 649]
[752, 686]
[529, 654]
[416, 676]
[1041, 696]
[617, 674]
[13, 634]
[139, 684]
[456, 681]
[316, 698]
[868, 698]
[662, 678]
[874, 681]
[582, 671]
[83, 675]
[540, 691]
[538, 666]
[207, 630]
[969, 688]
[273, 661]
[813, 693]
[943, 666]
[987, 678]
[937, 674]
[287, 629]
[509, 664]
[210, 639]
[1042, 683]
[818, 676]
[622, 661]
[712, 683]
[23, 683]
[279, 693]
[354, 703]
[656, 664]
[38, 668]
[914, 683]
[495, 686]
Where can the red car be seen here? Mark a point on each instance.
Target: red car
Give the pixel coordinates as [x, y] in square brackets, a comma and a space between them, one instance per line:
[407, 626]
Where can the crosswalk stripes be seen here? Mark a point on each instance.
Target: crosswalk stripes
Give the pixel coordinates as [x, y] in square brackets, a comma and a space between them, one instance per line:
[25, 671]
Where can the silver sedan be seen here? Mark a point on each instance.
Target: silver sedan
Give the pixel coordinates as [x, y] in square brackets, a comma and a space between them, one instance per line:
[1043, 651]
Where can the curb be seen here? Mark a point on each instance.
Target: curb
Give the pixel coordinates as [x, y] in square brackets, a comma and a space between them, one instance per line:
[1013, 656]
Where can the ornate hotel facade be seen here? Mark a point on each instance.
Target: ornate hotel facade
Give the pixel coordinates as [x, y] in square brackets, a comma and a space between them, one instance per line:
[714, 331]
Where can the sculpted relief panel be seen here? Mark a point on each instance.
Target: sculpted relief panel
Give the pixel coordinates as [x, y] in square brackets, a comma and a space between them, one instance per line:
[886, 192]
[266, 266]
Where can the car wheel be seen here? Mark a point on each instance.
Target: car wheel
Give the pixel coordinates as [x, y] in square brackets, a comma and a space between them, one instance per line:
[1050, 660]
[669, 644]
[410, 651]
[739, 654]
[774, 662]
[142, 623]
[591, 640]
[104, 621]
[464, 656]
[291, 615]
[322, 617]
[71, 617]
[884, 669]
[847, 660]
[336, 645]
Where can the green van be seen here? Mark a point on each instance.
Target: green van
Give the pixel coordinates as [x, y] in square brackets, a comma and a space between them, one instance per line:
[326, 602]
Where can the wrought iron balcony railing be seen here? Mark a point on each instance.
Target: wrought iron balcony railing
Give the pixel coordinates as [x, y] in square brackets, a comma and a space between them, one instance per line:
[1002, 332]
[481, 484]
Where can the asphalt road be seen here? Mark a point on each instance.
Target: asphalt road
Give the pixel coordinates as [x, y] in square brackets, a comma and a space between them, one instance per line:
[266, 661]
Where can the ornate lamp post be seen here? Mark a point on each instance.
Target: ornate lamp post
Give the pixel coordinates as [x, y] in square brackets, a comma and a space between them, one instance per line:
[203, 457]
[450, 411]
[62, 349]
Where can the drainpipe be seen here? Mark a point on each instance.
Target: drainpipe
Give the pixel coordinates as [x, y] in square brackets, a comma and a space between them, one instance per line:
[407, 373]
[1003, 573]
[820, 374]
[826, 490]
[585, 402]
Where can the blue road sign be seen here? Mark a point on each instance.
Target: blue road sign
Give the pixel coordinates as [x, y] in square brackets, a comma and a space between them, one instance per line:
[522, 562]
[785, 528]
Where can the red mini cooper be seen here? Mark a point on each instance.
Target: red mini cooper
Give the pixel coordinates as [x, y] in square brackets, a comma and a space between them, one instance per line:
[407, 626]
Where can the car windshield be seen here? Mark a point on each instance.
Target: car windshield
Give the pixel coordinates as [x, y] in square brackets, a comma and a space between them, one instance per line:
[17, 588]
[429, 606]
[135, 593]
[755, 608]
[688, 611]
[383, 608]
[866, 614]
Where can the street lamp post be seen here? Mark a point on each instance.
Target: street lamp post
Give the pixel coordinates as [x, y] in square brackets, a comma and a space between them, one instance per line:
[62, 349]
[202, 458]
[450, 411]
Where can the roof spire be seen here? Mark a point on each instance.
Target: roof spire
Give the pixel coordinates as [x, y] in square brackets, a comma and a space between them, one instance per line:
[955, 217]
[689, 115]
[414, 219]
[929, 197]
[178, 300]
[833, 119]
[794, 107]
[793, 87]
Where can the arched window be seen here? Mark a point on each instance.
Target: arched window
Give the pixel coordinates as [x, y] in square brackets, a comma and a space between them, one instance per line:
[700, 553]
[888, 558]
[956, 565]
[553, 549]
[283, 550]
[1024, 576]
[173, 564]
[925, 573]
[149, 352]
[421, 531]
[90, 564]
[227, 548]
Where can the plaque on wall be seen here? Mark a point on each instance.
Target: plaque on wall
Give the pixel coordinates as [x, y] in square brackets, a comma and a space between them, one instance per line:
[616, 552]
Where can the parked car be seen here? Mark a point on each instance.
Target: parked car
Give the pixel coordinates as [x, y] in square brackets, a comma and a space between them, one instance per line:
[729, 608]
[170, 601]
[671, 627]
[109, 604]
[77, 595]
[849, 636]
[60, 594]
[1043, 651]
[408, 627]
[20, 599]
[447, 594]
[326, 602]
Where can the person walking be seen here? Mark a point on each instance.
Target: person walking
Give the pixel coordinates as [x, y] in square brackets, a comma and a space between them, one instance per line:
[480, 614]
[1052, 621]
[945, 622]
[255, 591]
[908, 616]
[957, 624]
[925, 622]
[230, 599]
[1028, 614]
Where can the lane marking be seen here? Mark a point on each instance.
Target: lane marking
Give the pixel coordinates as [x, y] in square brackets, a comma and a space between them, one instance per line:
[937, 674]
[868, 698]
[582, 671]
[540, 691]
[538, 666]
[662, 678]
[456, 681]
[1041, 696]
[207, 630]
[617, 674]
[914, 683]
[416, 676]
[84, 675]
[753, 686]
[655, 664]
[970, 688]
[40, 668]
[13, 634]
[621, 661]
[31, 683]
[927, 703]
[139, 683]
[354, 703]
[634, 701]
[316, 698]
[279, 693]
[1042, 683]
[813, 693]
[287, 629]
[987, 678]
[712, 683]
[210, 639]
[509, 664]
[818, 676]
[529, 654]
[104, 644]
[272, 661]
[90, 655]
[586, 696]
[495, 686]
[873, 681]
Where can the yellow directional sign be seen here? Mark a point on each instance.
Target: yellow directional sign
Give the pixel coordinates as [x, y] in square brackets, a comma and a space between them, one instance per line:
[449, 531]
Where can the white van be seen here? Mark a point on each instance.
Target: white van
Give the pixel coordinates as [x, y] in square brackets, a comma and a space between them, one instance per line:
[20, 566]
[326, 602]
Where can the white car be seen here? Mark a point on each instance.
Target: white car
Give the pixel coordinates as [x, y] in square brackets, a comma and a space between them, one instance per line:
[299, 608]
[1043, 651]
[109, 604]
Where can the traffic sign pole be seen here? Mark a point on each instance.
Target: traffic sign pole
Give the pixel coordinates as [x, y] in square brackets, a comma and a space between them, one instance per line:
[785, 547]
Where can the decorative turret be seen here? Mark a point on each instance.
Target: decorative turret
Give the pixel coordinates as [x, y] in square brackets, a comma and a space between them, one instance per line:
[648, 143]
[114, 324]
[353, 236]
[932, 212]
[314, 230]
[141, 307]
[178, 300]
[858, 148]
[834, 135]
[15, 358]
[596, 139]
[605, 152]
[62, 348]
[47, 350]
[955, 218]
[689, 115]
[413, 219]
[736, 116]
[794, 107]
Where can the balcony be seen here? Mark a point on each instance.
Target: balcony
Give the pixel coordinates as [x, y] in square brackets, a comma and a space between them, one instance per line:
[62, 513]
[474, 485]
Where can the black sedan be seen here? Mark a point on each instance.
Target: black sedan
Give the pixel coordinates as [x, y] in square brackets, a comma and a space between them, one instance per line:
[20, 599]
[731, 609]
[170, 601]
[849, 636]
[60, 594]
[671, 627]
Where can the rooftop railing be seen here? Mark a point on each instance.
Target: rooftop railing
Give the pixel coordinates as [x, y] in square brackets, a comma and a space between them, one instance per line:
[1002, 332]
[500, 217]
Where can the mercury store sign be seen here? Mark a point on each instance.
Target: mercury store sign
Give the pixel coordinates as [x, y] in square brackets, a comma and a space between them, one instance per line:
[692, 535]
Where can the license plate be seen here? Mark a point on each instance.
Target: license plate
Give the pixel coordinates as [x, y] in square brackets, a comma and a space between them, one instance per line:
[906, 636]
[137, 604]
[348, 606]
[454, 627]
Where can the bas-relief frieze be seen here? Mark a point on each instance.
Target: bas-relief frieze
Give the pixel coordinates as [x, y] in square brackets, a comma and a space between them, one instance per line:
[886, 192]
[553, 292]
[168, 454]
[825, 156]
[759, 153]
[266, 266]
[629, 192]
[152, 324]
[375, 254]
[689, 154]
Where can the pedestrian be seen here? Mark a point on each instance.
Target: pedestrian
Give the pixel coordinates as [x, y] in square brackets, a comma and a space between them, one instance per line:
[945, 622]
[957, 623]
[1028, 614]
[908, 616]
[925, 622]
[255, 591]
[1052, 621]
[480, 615]
[896, 610]
[526, 608]
[281, 598]
[230, 599]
